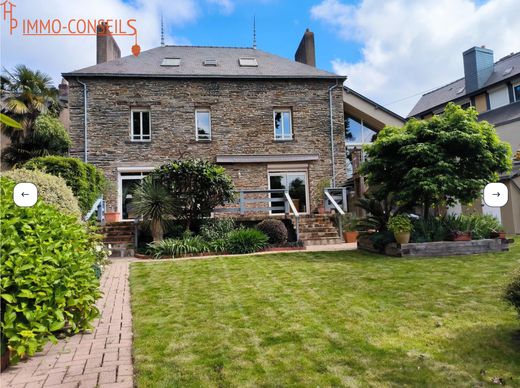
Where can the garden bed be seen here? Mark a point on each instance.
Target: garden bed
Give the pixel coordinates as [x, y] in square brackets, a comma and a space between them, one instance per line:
[438, 248]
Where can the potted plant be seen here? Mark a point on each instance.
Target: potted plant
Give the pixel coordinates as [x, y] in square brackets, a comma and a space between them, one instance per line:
[319, 199]
[401, 226]
[112, 216]
[349, 224]
[457, 235]
[501, 234]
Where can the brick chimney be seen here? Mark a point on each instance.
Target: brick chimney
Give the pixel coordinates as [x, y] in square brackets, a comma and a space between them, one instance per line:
[478, 67]
[306, 52]
[106, 46]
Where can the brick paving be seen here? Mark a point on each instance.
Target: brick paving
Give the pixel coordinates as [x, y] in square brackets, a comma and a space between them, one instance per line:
[102, 358]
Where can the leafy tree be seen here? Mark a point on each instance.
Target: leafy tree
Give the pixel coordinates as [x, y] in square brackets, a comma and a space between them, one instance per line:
[153, 202]
[197, 186]
[49, 137]
[448, 158]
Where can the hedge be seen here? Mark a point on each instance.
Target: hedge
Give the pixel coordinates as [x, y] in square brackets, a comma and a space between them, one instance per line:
[51, 189]
[85, 180]
[48, 280]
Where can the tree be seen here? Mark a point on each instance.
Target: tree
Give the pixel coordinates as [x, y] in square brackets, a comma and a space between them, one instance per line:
[49, 137]
[153, 202]
[25, 95]
[197, 186]
[440, 161]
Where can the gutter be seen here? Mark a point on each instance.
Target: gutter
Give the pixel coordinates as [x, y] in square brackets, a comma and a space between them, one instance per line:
[333, 159]
[85, 117]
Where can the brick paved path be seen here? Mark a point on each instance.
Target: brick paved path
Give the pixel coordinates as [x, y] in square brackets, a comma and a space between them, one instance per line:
[102, 358]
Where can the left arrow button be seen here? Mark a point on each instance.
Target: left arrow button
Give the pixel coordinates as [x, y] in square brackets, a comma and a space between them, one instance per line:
[25, 194]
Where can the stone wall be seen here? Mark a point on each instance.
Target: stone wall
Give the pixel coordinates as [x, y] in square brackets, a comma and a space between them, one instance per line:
[241, 116]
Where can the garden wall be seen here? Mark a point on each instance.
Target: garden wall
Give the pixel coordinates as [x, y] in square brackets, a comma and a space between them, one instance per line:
[439, 248]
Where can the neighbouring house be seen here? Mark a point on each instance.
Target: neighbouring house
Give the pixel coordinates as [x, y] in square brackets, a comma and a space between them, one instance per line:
[493, 88]
[273, 123]
[364, 119]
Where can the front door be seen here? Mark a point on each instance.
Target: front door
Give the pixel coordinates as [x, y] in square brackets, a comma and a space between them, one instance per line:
[128, 182]
[296, 183]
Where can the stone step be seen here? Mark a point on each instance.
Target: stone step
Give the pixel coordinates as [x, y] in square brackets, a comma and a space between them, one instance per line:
[318, 229]
[327, 241]
[316, 236]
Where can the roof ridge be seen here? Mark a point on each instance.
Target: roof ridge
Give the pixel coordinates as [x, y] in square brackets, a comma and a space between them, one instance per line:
[508, 56]
[203, 46]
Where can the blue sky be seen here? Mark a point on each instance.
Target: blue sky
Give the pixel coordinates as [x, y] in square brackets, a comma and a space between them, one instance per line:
[279, 25]
[392, 51]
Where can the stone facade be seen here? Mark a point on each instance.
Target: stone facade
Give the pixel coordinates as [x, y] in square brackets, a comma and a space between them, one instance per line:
[241, 120]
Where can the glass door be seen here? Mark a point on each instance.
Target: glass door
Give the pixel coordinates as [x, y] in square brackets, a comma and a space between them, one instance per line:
[296, 183]
[129, 182]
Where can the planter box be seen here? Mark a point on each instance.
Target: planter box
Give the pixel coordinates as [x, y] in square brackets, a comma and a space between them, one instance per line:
[439, 248]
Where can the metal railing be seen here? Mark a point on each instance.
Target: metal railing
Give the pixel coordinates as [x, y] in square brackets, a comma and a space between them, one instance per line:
[332, 203]
[281, 202]
[99, 208]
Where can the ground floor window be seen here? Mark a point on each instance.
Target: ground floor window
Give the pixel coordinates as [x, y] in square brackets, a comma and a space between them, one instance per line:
[296, 183]
[128, 181]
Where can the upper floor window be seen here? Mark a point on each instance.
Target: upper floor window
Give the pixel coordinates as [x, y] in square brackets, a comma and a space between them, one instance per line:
[357, 132]
[498, 97]
[203, 124]
[141, 125]
[282, 124]
[516, 91]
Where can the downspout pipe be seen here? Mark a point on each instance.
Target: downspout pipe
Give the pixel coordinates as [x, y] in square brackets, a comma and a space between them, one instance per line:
[333, 159]
[85, 118]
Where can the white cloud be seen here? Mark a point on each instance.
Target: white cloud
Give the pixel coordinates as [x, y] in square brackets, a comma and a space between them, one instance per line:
[57, 54]
[409, 46]
[225, 6]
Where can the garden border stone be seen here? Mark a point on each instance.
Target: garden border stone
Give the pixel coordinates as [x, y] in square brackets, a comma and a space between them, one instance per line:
[439, 248]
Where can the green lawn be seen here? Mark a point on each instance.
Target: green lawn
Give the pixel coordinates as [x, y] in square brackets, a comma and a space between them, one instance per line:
[325, 319]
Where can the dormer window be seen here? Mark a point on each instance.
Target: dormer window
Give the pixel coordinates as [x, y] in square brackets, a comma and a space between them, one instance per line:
[174, 62]
[210, 62]
[247, 62]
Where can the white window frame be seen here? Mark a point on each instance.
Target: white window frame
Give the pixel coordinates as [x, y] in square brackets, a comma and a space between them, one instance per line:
[205, 110]
[362, 142]
[139, 138]
[284, 137]
[136, 173]
[286, 171]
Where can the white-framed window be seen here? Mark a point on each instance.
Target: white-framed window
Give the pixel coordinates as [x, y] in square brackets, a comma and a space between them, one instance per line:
[498, 97]
[202, 124]
[282, 124]
[140, 125]
[516, 91]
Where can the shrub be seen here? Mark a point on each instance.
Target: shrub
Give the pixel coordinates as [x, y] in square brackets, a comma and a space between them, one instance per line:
[51, 189]
[429, 229]
[400, 223]
[349, 222]
[198, 186]
[216, 228]
[275, 231]
[48, 280]
[246, 241]
[482, 226]
[512, 292]
[85, 180]
[48, 138]
[178, 247]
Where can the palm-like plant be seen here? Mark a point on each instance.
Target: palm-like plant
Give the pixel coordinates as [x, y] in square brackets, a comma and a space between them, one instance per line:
[378, 212]
[25, 95]
[154, 203]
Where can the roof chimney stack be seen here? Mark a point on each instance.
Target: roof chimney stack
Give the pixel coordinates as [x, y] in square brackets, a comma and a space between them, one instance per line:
[106, 46]
[478, 67]
[306, 52]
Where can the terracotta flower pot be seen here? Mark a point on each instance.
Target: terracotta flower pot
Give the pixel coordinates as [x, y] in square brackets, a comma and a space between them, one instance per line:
[461, 236]
[112, 217]
[351, 236]
[500, 235]
[402, 237]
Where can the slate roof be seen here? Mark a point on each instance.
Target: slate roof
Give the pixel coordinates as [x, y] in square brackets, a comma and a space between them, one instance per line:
[148, 64]
[447, 93]
[503, 115]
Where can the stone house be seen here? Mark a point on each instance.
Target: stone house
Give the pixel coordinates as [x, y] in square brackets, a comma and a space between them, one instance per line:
[271, 122]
